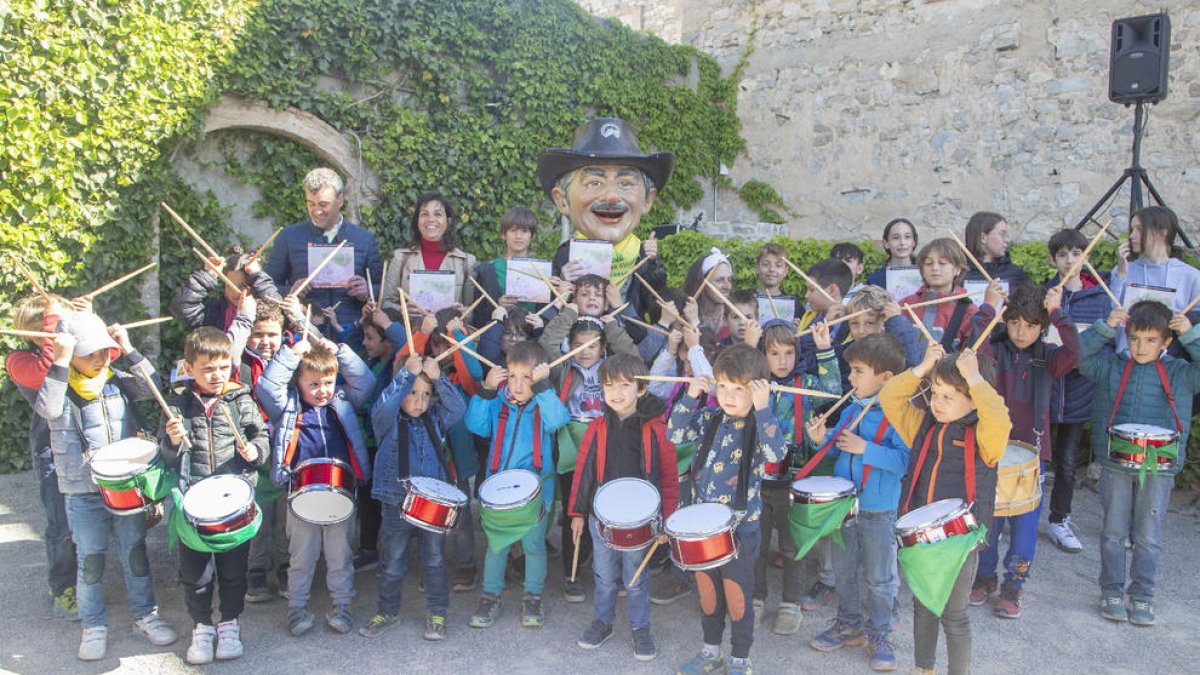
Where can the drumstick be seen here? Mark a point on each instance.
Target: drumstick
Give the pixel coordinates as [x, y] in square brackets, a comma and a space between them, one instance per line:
[37, 334]
[659, 329]
[649, 554]
[774, 307]
[370, 288]
[703, 283]
[32, 280]
[971, 257]
[457, 344]
[162, 403]
[147, 322]
[307, 321]
[615, 312]
[810, 281]
[665, 378]
[669, 308]
[936, 301]
[216, 270]
[1079, 263]
[919, 324]
[316, 270]
[257, 253]
[490, 299]
[860, 417]
[408, 335]
[472, 352]
[548, 284]
[825, 415]
[987, 331]
[545, 307]
[188, 228]
[575, 351]
[803, 392]
[621, 279]
[1185, 310]
[120, 280]
[840, 319]
[1108, 291]
[575, 559]
[648, 287]
[467, 312]
[237, 434]
[730, 305]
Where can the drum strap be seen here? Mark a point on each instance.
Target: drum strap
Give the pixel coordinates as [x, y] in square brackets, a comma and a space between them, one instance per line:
[1166, 384]
[599, 431]
[879, 434]
[565, 393]
[498, 442]
[968, 465]
[820, 454]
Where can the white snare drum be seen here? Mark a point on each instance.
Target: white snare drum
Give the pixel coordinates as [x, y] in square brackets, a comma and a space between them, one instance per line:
[116, 468]
[220, 504]
[701, 536]
[825, 489]
[509, 489]
[934, 522]
[627, 513]
[432, 504]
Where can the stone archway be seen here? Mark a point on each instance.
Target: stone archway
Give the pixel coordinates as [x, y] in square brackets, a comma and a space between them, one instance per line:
[344, 154]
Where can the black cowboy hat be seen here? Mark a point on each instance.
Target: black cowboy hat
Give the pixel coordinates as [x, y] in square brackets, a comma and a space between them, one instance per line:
[603, 140]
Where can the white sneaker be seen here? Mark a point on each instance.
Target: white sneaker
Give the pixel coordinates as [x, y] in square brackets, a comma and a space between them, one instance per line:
[94, 644]
[200, 651]
[229, 640]
[154, 629]
[1062, 536]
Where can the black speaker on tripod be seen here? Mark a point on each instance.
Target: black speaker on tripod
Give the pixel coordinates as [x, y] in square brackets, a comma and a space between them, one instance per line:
[1137, 69]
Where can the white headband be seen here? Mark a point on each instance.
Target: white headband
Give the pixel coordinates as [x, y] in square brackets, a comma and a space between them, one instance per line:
[715, 257]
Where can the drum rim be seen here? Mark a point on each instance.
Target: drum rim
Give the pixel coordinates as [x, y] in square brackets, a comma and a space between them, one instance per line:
[155, 462]
[321, 487]
[410, 489]
[537, 492]
[246, 517]
[963, 507]
[315, 461]
[223, 477]
[729, 525]
[628, 480]
[1167, 434]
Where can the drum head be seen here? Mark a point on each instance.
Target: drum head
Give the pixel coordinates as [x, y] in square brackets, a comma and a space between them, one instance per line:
[929, 514]
[438, 490]
[514, 486]
[1136, 430]
[626, 501]
[1018, 453]
[126, 457]
[699, 519]
[321, 507]
[217, 497]
[823, 485]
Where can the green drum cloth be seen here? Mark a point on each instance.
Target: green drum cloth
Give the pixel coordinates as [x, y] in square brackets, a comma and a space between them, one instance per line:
[506, 527]
[810, 522]
[931, 569]
[569, 439]
[179, 529]
[683, 453]
[155, 482]
[1150, 460]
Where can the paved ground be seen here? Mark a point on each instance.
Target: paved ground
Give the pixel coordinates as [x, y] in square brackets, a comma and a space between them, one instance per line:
[1060, 631]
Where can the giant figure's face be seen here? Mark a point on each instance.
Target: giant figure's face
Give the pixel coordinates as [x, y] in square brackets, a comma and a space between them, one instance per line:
[604, 201]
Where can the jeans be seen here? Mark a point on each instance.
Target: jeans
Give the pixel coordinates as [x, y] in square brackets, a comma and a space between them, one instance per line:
[1134, 511]
[199, 571]
[1066, 453]
[91, 524]
[60, 549]
[395, 536]
[868, 557]
[460, 543]
[955, 621]
[269, 547]
[724, 590]
[613, 567]
[776, 505]
[1022, 546]
[306, 542]
[534, 545]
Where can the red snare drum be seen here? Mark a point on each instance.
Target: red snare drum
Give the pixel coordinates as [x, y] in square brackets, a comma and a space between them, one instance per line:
[322, 491]
[934, 522]
[781, 470]
[825, 489]
[701, 536]
[431, 504]
[627, 513]
[116, 468]
[220, 504]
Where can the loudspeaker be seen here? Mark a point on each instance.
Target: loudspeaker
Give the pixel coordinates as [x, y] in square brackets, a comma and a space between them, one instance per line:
[1137, 68]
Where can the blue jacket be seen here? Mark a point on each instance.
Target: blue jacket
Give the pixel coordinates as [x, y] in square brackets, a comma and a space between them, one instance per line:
[1071, 397]
[289, 264]
[516, 451]
[281, 402]
[386, 417]
[1144, 400]
[888, 459]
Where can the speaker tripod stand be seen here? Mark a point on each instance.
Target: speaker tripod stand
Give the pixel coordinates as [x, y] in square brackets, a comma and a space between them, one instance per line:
[1137, 177]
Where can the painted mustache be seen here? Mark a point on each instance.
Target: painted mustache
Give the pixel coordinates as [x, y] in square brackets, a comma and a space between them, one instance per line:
[610, 209]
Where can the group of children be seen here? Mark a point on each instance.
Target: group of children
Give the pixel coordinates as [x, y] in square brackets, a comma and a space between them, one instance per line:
[710, 405]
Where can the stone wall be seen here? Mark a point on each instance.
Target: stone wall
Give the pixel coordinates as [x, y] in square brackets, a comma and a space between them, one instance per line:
[859, 111]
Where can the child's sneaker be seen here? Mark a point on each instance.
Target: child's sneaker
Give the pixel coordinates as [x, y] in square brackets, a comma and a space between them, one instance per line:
[464, 580]
[257, 589]
[881, 652]
[65, 605]
[740, 666]
[596, 634]
[379, 624]
[1008, 606]
[817, 597]
[787, 619]
[1112, 606]
[839, 634]
[153, 628]
[300, 621]
[94, 643]
[229, 640]
[1060, 535]
[200, 651]
[531, 611]
[340, 619]
[1141, 610]
[643, 645]
[435, 628]
[981, 589]
[573, 590]
[704, 664]
[668, 588]
[485, 615]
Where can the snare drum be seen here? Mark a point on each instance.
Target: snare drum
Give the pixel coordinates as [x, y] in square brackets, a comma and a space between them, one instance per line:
[1018, 480]
[701, 536]
[128, 474]
[627, 513]
[780, 471]
[823, 490]
[220, 504]
[1129, 443]
[934, 522]
[512, 490]
[432, 504]
[322, 491]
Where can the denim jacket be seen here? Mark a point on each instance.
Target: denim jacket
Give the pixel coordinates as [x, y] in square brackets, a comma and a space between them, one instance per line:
[446, 409]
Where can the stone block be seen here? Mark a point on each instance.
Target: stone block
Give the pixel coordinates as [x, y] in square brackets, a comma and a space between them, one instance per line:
[1002, 37]
[1068, 85]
